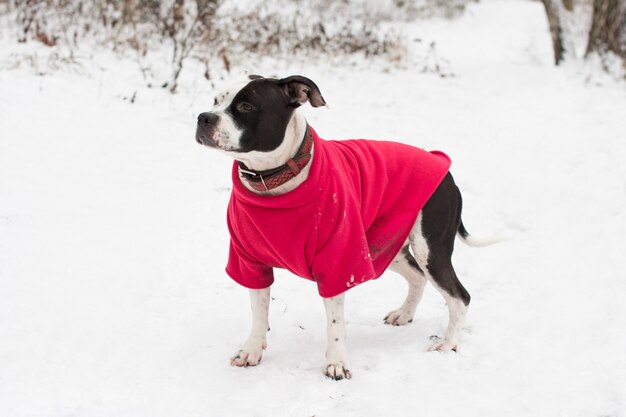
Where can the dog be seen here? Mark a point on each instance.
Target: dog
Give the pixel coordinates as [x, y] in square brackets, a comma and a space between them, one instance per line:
[293, 207]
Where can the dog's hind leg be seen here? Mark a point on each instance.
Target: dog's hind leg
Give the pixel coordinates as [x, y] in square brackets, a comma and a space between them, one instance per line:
[406, 265]
[457, 309]
[432, 242]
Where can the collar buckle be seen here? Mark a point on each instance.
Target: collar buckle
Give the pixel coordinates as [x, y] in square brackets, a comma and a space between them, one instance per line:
[252, 173]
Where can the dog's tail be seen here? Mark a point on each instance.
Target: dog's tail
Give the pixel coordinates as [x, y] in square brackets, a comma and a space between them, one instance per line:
[476, 242]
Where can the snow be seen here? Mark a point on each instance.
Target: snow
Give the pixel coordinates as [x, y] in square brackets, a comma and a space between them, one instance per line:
[113, 242]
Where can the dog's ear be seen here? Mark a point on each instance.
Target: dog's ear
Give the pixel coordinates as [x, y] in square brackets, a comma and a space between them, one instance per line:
[300, 89]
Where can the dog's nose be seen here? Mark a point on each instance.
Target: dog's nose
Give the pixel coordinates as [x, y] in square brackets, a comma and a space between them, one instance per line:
[207, 119]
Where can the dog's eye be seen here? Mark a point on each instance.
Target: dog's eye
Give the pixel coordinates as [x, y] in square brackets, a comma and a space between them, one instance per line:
[245, 107]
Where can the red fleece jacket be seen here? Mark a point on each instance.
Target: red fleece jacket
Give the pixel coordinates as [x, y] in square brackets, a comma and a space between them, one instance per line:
[343, 225]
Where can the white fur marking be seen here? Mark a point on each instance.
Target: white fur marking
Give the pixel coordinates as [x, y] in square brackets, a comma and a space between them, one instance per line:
[419, 244]
[337, 365]
[227, 135]
[417, 283]
[252, 350]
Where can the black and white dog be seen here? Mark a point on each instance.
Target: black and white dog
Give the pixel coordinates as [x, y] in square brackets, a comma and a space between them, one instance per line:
[256, 122]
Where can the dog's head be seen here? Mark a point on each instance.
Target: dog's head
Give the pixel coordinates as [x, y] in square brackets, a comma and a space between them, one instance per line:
[252, 113]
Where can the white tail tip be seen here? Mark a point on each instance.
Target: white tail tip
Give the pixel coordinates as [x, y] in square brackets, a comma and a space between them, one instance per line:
[481, 242]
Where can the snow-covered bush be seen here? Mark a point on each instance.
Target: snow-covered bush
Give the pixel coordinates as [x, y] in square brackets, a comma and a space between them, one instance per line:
[218, 33]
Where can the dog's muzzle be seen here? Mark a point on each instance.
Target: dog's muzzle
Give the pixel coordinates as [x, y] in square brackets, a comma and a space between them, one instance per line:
[207, 123]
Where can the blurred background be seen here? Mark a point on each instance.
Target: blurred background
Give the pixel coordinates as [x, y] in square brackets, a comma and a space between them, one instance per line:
[219, 36]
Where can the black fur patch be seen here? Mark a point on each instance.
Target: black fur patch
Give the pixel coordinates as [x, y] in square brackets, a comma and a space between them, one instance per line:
[263, 128]
[441, 219]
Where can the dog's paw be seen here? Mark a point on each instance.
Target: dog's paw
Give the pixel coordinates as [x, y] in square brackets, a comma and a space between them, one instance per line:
[443, 345]
[248, 356]
[337, 371]
[398, 317]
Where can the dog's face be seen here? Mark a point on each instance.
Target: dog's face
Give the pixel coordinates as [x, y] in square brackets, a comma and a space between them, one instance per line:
[252, 113]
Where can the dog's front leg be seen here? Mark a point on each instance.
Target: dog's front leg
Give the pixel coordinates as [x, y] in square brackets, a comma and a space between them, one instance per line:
[252, 350]
[337, 366]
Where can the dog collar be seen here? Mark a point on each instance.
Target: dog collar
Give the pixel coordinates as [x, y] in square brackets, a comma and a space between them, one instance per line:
[269, 179]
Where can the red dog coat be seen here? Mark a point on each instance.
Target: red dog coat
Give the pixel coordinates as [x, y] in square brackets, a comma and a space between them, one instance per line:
[343, 225]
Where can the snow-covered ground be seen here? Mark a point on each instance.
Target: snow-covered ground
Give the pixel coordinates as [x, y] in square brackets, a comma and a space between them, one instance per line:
[113, 241]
